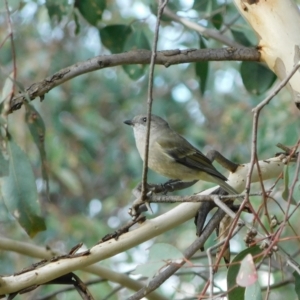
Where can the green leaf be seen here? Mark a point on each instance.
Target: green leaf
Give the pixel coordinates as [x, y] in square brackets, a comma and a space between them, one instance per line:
[217, 20]
[253, 292]
[241, 38]
[19, 191]
[237, 292]
[202, 69]
[91, 10]
[37, 129]
[57, 8]
[113, 37]
[256, 77]
[297, 283]
[77, 25]
[136, 40]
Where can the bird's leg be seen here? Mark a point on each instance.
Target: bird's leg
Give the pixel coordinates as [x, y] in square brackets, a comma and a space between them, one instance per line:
[223, 161]
[140, 206]
[175, 185]
[169, 186]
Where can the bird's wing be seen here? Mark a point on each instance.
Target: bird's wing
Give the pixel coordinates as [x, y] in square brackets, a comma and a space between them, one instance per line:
[187, 155]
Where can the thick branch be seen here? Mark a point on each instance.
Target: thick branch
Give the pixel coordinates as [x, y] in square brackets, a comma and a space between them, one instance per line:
[166, 58]
[100, 271]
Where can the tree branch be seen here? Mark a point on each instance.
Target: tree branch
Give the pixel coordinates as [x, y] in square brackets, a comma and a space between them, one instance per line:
[165, 58]
[100, 271]
[207, 32]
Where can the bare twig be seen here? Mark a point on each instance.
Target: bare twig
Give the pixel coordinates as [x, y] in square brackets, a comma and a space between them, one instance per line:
[11, 36]
[209, 256]
[189, 252]
[160, 10]
[280, 86]
[210, 33]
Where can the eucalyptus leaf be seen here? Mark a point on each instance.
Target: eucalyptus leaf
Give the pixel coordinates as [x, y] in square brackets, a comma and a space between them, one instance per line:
[253, 292]
[113, 37]
[297, 283]
[241, 38]
[37, 129]
[217, 21]
[91, 10]
[136, 40]
[237, 292]
[19, 191]
[202, 69]
[57, 8]
[256, 77]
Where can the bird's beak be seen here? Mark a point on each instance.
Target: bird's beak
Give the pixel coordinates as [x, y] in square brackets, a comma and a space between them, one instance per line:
[128, 122]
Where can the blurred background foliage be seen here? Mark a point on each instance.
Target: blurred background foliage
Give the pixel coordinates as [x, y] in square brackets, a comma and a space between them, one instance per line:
[91, 156]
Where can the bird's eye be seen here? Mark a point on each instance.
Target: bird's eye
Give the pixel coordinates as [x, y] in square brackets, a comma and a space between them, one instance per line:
[144, 119]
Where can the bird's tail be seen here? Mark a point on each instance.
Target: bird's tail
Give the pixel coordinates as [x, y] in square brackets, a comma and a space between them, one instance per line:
[224, 185]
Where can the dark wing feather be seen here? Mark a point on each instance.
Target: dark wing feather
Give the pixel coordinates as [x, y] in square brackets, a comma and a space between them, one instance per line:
[188, 155]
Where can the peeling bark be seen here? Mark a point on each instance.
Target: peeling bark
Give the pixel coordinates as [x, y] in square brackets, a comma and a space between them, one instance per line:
[277, 24]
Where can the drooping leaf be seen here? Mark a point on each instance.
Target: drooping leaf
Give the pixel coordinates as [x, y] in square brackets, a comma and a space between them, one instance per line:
[202, 69]
[91, 10]
[241, 38]
[77, 24]
[113, 37]
[253, 292]
[57, 8]
[217, 20]
[256, 77]
[136, 40]
[238, 292]
[19, 191]
[297, 283]
[37, 129]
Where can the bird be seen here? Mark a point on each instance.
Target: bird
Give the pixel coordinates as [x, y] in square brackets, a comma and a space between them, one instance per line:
[172, 156]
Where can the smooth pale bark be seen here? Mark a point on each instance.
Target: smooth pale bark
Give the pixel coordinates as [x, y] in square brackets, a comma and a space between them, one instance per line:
[277, 25]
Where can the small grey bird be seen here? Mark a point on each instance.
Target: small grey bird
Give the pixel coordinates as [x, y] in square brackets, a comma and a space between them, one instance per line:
[173, 156]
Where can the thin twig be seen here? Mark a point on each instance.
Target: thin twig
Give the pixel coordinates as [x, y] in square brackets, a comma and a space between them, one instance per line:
[11, 36]
[211, 33]
[277, 89]
[189, 252]
[7, 103]
[161, 7]
[209, 256]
